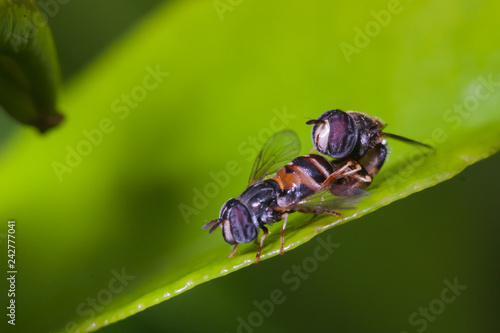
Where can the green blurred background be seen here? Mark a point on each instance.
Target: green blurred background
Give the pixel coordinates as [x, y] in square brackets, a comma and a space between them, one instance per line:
[391, 262]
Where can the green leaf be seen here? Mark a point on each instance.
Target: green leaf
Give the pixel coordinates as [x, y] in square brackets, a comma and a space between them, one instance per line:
[171, 118]
[29, 71]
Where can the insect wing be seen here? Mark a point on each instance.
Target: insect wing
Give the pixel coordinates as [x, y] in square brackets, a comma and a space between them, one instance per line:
[324, 200]
[280, 149]
[410, 141]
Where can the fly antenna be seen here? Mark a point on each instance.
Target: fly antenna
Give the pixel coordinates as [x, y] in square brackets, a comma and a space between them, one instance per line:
[214, 224]
[314, 121]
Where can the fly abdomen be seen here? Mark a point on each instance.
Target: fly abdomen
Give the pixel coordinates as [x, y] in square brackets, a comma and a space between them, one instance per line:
[301, 178]
[315, 166]
[374, 159]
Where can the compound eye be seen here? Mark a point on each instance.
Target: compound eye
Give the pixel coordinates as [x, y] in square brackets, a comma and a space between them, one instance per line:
[238, 226]
[343, 134]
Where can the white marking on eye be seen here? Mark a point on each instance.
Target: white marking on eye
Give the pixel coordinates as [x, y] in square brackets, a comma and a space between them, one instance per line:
[384, 142]
[228, 236]
[322, 134]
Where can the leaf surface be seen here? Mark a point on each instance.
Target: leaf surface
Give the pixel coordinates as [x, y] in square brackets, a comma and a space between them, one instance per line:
[164, 128]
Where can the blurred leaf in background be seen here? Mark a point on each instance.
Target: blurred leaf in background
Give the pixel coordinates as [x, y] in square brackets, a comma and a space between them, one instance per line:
[29, 71]
[185, 96]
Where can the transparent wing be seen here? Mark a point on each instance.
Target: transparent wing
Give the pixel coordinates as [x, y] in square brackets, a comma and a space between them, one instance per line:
[280, 149]
[410, 141]
[346, 197]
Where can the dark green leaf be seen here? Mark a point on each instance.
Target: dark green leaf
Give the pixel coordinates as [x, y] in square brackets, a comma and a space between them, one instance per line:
[29, 72]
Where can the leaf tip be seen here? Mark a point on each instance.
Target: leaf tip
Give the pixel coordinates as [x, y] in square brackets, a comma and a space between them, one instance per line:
[44, 122]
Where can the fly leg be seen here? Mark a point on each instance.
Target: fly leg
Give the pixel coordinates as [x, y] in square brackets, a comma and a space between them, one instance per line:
[351, 168]
[315, 210]
[234, 251]
[282, 236]
[361, 176]
[340, 173]
[264, 235]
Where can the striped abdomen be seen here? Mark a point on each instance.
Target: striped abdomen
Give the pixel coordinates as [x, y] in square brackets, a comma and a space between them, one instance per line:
[301, 178]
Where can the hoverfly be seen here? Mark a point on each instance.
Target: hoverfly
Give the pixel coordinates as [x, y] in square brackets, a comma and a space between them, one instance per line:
[356, 137]
[303, 185]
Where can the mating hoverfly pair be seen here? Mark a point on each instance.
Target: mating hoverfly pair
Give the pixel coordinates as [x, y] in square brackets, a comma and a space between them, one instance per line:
[310, 183]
